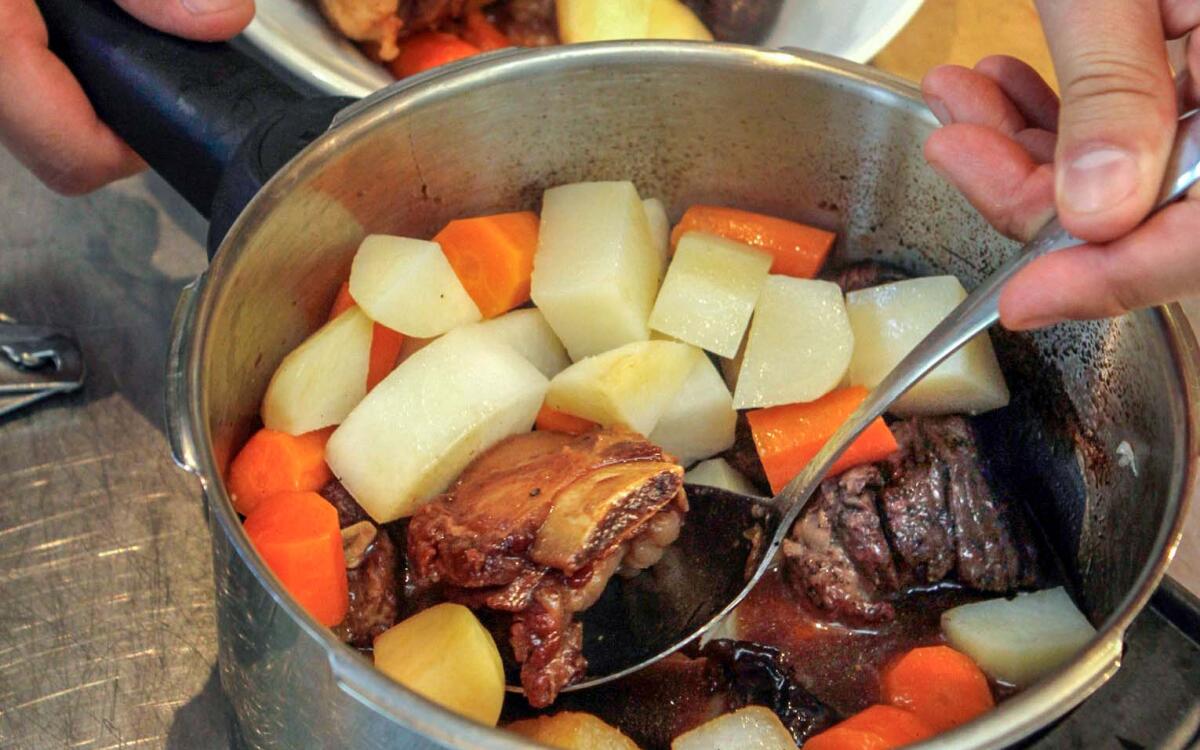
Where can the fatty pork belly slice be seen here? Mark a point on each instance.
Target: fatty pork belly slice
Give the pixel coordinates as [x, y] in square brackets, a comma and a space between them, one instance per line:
[536, 527]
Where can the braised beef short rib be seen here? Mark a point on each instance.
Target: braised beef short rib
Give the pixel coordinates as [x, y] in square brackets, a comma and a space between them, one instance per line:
[536, 526]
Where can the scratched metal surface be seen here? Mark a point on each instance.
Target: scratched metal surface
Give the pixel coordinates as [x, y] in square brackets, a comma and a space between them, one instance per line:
[107, 635]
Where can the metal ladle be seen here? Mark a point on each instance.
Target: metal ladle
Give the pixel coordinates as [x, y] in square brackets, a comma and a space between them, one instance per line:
[729, 540]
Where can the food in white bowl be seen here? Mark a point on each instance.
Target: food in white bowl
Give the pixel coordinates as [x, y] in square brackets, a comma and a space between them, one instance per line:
[297, 36]
[487, 487]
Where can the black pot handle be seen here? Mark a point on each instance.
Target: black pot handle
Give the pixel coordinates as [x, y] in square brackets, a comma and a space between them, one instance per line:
[214, 123]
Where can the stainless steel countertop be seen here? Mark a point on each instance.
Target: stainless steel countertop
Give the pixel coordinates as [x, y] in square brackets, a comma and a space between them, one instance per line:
[107, 633]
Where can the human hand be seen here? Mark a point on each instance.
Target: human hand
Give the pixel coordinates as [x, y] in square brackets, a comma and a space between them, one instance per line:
[46, 120]
[1098, 159]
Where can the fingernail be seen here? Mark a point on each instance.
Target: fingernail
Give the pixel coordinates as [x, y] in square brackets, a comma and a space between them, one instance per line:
[204, 7]
[939, 110]
[1099, 178]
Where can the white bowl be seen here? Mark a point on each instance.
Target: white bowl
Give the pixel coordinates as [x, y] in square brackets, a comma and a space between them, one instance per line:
[295, 35]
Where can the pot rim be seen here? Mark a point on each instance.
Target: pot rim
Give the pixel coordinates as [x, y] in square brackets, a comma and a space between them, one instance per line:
[1025, 713]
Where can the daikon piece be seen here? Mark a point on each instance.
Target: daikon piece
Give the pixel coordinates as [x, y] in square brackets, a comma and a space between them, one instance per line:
[708, 294]
[751, 727]
[320, 381]
[630, 386]
[799, 345]
[409, 286]
[889, 320]
[700, 421]
[1018, 640]
[527, 332]
[597, 270]
[420, 427]
[716, 472]
[660, 229]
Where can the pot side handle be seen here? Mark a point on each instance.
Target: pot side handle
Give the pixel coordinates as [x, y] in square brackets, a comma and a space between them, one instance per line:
[179, 432]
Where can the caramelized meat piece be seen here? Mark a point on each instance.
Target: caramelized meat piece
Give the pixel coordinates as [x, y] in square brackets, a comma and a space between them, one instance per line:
[743, 456]
[745, 21]
[536, 526]
[374, 600]
[528, 23]
[373, 569]
[924, 516]
[374, 21]
[349, 511]
[864, 274]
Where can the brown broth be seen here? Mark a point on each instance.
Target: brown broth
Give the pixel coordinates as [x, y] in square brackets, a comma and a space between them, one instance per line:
[841, 665]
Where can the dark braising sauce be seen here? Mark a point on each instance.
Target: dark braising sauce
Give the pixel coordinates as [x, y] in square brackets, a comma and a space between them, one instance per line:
[840, 665]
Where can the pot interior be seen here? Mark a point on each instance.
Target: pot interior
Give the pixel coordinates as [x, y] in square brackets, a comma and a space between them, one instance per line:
[799, 138]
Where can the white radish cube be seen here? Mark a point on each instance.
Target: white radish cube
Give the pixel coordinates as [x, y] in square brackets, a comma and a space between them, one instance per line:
[799, 345]
[708, 294]
[716, 472]
[527, 332]
[320, 381]
[660, 228]
[419, 428]
[890, 320]
[700, 421]
[409, 286]
[753, 727]
[631, 386]
[596, 271]
[1019, 640]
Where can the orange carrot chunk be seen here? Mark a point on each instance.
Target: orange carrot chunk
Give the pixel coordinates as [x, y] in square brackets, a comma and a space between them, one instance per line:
[272, 462]
[385, 350]
[943, 687]
[788, 436]
[481, 32]
[342, 302]
[843, 738]
[493, 258]
[429, 49]
[897, 726]
[553, 420]
[298, 537]
[799, 250]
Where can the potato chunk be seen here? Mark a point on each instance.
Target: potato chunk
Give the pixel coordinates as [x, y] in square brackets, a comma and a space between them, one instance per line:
[527, 332]
[631, 386]
[1019, 640]
[320, 381]
[799, 345]
[751, 727]
[446, 655]
[419, 428]
[596, 271]
[891, 319]
[409, 286]
[709, 292]
[599, 20]
[700, 420]
[572, 730]
[716, 472]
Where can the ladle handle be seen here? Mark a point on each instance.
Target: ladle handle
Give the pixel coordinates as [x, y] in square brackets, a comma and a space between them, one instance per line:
[975, 314]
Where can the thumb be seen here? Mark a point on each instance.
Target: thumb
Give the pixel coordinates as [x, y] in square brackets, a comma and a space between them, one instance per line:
[1118, 112]
[204, 20]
